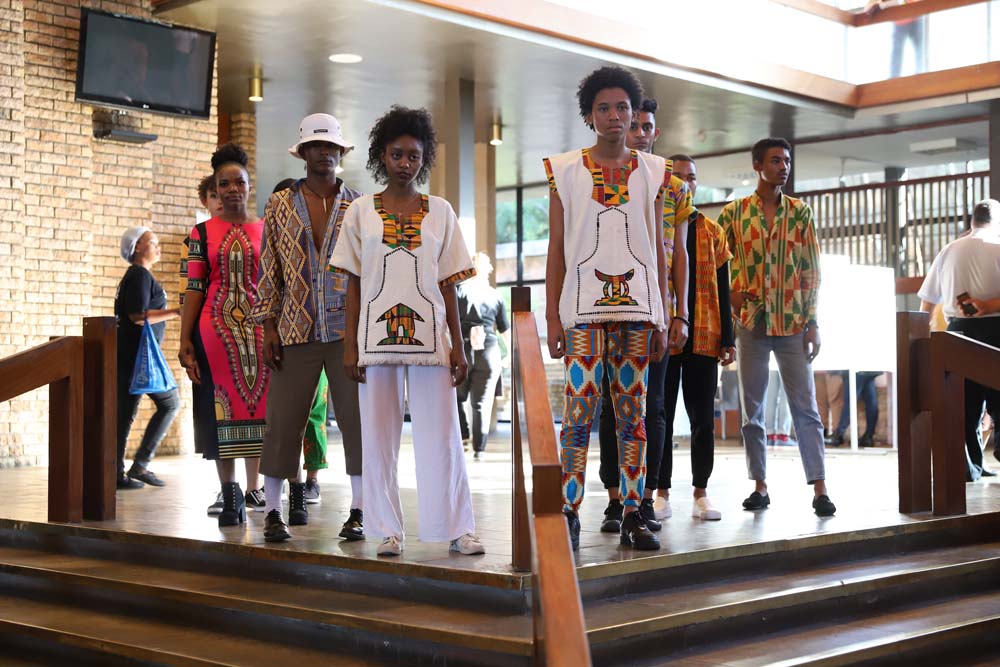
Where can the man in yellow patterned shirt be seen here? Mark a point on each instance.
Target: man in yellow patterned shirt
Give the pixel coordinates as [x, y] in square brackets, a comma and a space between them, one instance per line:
[775, 284]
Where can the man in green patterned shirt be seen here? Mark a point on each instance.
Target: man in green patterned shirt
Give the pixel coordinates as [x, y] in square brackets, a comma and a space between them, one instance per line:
[775, 284]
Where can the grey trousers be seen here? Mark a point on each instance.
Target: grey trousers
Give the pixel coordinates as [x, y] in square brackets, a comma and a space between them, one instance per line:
[753, 350]
[289, 400]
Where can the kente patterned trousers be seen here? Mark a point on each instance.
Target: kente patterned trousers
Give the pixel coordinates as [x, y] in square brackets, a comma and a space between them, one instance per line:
[620, 349]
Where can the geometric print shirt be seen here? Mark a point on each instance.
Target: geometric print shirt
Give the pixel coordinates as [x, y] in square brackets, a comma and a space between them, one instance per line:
[776, 262]
[295, 288]
[403, 262]
[710, 254]
[676, 206]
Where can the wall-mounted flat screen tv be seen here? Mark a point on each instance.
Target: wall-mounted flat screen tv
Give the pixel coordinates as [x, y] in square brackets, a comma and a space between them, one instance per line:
[133, 63]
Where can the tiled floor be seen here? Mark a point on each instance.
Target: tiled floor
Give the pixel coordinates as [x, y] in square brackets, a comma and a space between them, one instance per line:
[863, 485]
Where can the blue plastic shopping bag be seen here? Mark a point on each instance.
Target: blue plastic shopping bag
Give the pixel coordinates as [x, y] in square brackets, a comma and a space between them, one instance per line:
[151, 374]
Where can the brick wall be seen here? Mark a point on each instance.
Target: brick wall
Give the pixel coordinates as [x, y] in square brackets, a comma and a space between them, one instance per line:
[65, 199]
[243, 131]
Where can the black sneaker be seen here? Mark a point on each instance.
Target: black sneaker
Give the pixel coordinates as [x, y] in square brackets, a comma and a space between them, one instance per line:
[613, 517]
[353, 529]
[648, 515]
[824, 506]
[573, 522]
[637, 535]
[313, 496]
[126, 482]
[256, 500]
[756, 502]
[145, 476]
[275, 528]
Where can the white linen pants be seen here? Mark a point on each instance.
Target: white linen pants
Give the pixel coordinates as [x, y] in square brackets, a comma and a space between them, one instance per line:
[444, 502]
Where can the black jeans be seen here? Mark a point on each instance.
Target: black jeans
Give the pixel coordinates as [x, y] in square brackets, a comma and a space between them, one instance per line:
[656, 421]
[985, 330]
[168, 404]
[697, 377]
[480, 385]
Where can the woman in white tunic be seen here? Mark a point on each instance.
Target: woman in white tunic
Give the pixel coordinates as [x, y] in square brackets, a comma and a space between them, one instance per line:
[405, 255]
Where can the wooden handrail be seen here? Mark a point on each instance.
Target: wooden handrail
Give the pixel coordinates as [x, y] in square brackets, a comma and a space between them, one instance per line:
[558, 622]
[913, 417]
[954, 359]
[81, 374]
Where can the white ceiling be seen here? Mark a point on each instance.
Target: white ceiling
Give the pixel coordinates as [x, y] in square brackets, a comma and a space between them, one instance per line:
[408, 57]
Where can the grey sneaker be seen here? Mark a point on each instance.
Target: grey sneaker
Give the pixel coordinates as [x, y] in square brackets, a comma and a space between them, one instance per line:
[215, 509]
[256, 502]
[312, 492]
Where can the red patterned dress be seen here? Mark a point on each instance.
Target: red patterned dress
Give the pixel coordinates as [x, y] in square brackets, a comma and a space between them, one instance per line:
[229, 404]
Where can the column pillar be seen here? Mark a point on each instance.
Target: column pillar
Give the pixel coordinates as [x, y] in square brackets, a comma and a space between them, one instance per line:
[995, 149]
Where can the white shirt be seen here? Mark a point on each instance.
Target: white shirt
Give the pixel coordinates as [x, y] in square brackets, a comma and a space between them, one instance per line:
[609, 240]
[403, 265]
[969, 264]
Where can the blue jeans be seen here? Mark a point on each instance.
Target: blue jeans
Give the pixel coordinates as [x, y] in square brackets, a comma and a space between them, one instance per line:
[753, 350]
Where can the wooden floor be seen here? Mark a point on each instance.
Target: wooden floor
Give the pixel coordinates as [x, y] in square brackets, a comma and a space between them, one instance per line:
[862, 484]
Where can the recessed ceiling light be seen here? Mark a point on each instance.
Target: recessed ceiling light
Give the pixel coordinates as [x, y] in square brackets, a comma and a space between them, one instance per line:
[345, 58]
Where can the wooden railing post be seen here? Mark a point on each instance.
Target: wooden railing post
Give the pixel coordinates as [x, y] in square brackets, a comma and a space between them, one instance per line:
[66, 441]
[521, 529]
[100, 418]
[948, 430]
[913, 417]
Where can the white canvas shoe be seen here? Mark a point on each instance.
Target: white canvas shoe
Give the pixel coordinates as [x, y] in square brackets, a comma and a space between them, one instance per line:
[704, 510]
[662, 509]
[467, 544]
[391, 546]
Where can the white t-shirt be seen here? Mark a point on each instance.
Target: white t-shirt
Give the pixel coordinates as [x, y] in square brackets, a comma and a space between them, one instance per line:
[969, 264]
[402, 265]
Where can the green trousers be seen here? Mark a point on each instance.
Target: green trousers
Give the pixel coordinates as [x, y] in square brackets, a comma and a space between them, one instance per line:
[314, 440]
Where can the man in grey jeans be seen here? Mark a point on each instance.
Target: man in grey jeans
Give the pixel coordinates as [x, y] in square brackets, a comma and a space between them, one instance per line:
[775, 284]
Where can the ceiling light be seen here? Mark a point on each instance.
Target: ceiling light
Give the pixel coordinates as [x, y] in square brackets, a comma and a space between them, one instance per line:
[496, 138]
[256, 87]
[345, 58]
[745, 182]
[338, 170]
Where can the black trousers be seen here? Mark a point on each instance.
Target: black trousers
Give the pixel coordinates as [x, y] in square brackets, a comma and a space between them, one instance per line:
[985, 330]
[168, 404]
[656, 423]
[696, 376]
[480, 385]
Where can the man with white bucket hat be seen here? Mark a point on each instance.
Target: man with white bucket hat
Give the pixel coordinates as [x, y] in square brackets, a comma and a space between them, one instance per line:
[301, 307]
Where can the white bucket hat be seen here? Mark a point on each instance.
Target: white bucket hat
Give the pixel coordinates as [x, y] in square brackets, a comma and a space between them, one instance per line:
[320, 127]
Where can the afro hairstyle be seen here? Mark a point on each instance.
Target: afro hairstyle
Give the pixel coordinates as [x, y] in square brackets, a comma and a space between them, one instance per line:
[761, 148]
[205, 186]
[397, 122]
[602, 79]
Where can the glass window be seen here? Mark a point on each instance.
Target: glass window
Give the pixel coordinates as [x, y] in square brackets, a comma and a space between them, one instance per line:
[506, 259]
[536, 232]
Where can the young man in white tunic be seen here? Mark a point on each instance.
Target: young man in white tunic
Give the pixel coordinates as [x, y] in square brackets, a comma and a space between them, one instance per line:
[405, 255]
[606, 290]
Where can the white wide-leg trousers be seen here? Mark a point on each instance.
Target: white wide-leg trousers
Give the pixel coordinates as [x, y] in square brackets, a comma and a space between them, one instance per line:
[444, 502]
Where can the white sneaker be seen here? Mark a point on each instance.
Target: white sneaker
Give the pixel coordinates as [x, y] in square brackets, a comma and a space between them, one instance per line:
[391, 546]
[704, 510]
[661, 509]
[467, 544]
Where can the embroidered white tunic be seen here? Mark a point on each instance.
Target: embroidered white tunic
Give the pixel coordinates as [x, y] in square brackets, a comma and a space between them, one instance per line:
[610, 225]
[402, 265]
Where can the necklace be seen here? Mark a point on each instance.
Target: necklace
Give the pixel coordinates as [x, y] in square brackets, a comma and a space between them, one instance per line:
[399, 215]
[314, 194]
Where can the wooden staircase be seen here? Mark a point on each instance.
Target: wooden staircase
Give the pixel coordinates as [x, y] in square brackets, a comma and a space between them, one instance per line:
[87, 596]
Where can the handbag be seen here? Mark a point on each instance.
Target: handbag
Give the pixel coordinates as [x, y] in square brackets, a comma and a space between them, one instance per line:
[151, 375]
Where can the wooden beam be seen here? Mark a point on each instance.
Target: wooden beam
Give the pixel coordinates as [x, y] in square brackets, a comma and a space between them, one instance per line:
[910, 11]
[957, 81]
[820, 9]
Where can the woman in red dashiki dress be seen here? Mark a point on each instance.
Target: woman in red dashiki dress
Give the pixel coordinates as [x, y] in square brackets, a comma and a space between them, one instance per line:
[220, 348]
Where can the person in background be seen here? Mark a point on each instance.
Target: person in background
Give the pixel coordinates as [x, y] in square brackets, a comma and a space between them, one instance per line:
[483, 315]
[221, 350]
[140, 300]
[302, 307]
[965, 279]
[694, 369]
[775, 286]
[404, 253]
